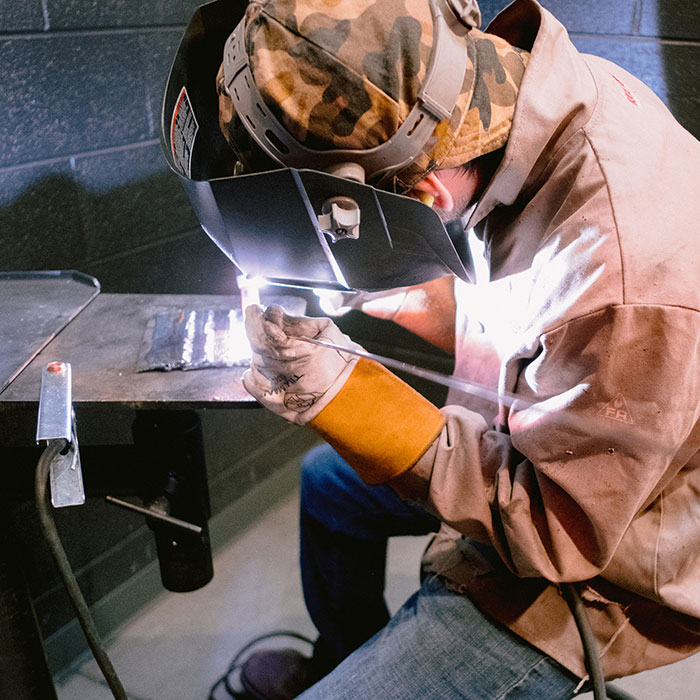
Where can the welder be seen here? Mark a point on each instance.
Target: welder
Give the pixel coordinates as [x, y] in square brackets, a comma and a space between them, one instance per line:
[585, 193]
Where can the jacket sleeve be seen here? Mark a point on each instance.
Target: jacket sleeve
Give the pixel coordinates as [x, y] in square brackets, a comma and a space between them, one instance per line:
[427, 309]
[605, 416]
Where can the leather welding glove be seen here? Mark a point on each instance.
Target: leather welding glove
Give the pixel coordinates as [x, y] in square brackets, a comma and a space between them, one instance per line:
[374, 420]
[291, 377]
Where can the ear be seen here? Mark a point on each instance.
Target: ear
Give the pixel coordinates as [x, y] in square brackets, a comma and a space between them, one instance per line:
[433, 186]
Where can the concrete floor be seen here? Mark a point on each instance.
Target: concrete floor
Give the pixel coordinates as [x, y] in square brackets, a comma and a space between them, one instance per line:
[178, 646]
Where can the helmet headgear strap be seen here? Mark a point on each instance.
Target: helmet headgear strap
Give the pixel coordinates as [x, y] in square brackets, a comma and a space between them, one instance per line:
[436, 100]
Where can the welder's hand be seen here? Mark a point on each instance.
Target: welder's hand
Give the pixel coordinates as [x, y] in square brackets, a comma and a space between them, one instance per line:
[291, 377]
[427, 309]
[334, 303]
[375, 421]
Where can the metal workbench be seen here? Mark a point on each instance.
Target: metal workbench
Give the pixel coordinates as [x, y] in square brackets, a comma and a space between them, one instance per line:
[62, 316]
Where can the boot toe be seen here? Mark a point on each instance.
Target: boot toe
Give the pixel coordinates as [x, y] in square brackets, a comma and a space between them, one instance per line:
[276, 674]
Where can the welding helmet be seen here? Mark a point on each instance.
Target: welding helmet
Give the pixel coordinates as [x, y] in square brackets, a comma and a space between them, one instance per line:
[295, 166]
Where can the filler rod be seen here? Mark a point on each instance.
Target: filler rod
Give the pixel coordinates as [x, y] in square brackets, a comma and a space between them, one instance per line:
[452, 382]
[610, 437]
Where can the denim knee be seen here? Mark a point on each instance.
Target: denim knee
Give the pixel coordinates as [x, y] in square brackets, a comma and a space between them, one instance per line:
[326, 479]
[333, 494]
[316, 468]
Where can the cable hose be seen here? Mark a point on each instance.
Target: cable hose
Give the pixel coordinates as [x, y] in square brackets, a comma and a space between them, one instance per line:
[52, 538]
[617, 694]
[590, 648]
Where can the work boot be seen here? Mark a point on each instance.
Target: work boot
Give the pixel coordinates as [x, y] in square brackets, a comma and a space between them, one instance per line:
[277, 674]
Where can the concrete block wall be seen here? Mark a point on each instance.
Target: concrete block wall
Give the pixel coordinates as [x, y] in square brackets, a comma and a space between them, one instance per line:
[83, 183]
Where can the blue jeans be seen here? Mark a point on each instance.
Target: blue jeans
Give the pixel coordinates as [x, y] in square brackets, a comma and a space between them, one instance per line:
[438, 645]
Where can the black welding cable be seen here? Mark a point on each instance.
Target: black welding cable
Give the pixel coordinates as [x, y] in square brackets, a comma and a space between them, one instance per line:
[82, 611]
[601, 689]
[590, 648]
[617, 694]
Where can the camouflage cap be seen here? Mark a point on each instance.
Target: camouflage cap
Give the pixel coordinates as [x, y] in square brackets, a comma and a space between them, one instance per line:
[344, 75]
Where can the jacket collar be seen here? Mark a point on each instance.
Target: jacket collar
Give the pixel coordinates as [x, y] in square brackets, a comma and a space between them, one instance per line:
[556, 98]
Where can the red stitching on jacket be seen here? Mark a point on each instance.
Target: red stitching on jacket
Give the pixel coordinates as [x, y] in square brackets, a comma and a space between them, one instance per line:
[628, 92]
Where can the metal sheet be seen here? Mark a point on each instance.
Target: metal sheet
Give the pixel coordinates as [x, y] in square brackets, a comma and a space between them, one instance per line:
[103, 345]
[195, 339]
[34, 308]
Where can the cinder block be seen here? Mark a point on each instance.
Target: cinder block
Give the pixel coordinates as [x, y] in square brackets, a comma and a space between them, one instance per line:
[668, 69]
[671, 19]
[159, 49]
[597, 16]
[21, 16]
[594, 16]
[191, 264]
[129, 198]
[489, 9]
[82, 14]
[69, 94]
[40, 226]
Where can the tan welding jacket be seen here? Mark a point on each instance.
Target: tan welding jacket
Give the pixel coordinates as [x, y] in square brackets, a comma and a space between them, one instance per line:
[591, 228]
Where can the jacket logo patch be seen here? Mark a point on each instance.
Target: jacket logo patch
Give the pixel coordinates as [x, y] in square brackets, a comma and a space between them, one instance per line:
[617, 410]
[628, 93]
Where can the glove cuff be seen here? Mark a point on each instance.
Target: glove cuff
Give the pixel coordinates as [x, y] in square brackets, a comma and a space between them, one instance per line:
[378, 424]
